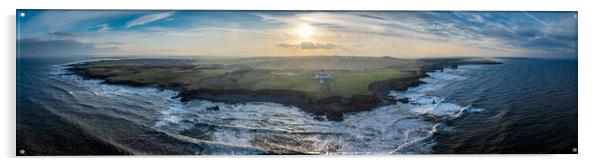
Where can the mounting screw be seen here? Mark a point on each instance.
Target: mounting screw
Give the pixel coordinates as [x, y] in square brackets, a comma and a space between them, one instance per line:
[22, 152]
[574, 150]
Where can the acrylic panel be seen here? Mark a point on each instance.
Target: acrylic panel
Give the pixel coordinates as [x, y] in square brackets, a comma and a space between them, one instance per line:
[238, 82]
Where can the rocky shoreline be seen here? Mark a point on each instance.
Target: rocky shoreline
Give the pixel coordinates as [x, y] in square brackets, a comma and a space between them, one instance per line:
[330, 108]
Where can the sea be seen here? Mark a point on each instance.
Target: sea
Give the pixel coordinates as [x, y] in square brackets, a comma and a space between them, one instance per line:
[522, 106]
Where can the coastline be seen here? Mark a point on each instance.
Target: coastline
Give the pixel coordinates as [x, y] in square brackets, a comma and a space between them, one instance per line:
[331, 108]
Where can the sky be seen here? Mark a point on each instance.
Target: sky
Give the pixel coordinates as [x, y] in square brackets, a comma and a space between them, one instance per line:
[403, 34]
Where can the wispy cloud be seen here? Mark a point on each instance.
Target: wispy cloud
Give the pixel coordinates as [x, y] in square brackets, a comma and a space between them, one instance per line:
[536, 19]
[403, 34]
[69, 20]
[103, 27]
[149, 18]
[63, 34]
[308, 45]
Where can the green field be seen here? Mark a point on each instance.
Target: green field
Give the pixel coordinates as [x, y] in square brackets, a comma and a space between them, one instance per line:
[350, 75]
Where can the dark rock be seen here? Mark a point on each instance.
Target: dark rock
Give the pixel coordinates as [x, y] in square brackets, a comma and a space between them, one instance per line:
[404, 100]
[333, 107]
[334, 116]
[214, 108]
[382, 88]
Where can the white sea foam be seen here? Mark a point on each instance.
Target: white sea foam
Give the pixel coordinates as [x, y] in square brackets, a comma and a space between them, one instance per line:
[395, 128]
[425, 103]
[276, 126]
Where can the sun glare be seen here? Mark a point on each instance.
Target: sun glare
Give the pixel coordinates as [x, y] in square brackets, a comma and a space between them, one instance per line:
[305, 31]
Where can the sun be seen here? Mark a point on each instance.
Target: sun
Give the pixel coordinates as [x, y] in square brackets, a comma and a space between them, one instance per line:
[304, 31]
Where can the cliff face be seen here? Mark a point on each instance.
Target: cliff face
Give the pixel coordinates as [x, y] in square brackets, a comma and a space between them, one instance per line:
[382, 88]
[328, 108]
[331, 108]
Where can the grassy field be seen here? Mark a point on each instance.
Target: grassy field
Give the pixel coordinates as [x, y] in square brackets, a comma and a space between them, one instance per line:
[350, 83]
[351, 75]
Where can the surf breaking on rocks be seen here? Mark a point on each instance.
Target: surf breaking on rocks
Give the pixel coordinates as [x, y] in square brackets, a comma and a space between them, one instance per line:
[263, 127]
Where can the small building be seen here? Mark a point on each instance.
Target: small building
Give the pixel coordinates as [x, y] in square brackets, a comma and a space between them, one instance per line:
[322, 76]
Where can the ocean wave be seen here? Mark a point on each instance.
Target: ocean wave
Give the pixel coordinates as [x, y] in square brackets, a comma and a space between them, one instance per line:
[278, 128]
[426, 103]
[281, 128]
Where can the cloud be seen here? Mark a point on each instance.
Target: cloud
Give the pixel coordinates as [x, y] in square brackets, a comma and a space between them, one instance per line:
[284, 45]
[63, 34]
[110, 43]
[33, 47]
[536, 19]
[66, 20]
[103, 27]
[308, 45]
[553, 33]
[406, 25]
[371, 16]
[148, 18]
[504, 32]
[381, 33]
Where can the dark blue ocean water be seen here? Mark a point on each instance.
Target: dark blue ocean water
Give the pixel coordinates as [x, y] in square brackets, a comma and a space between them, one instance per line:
[520, 106]
[531, 108]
